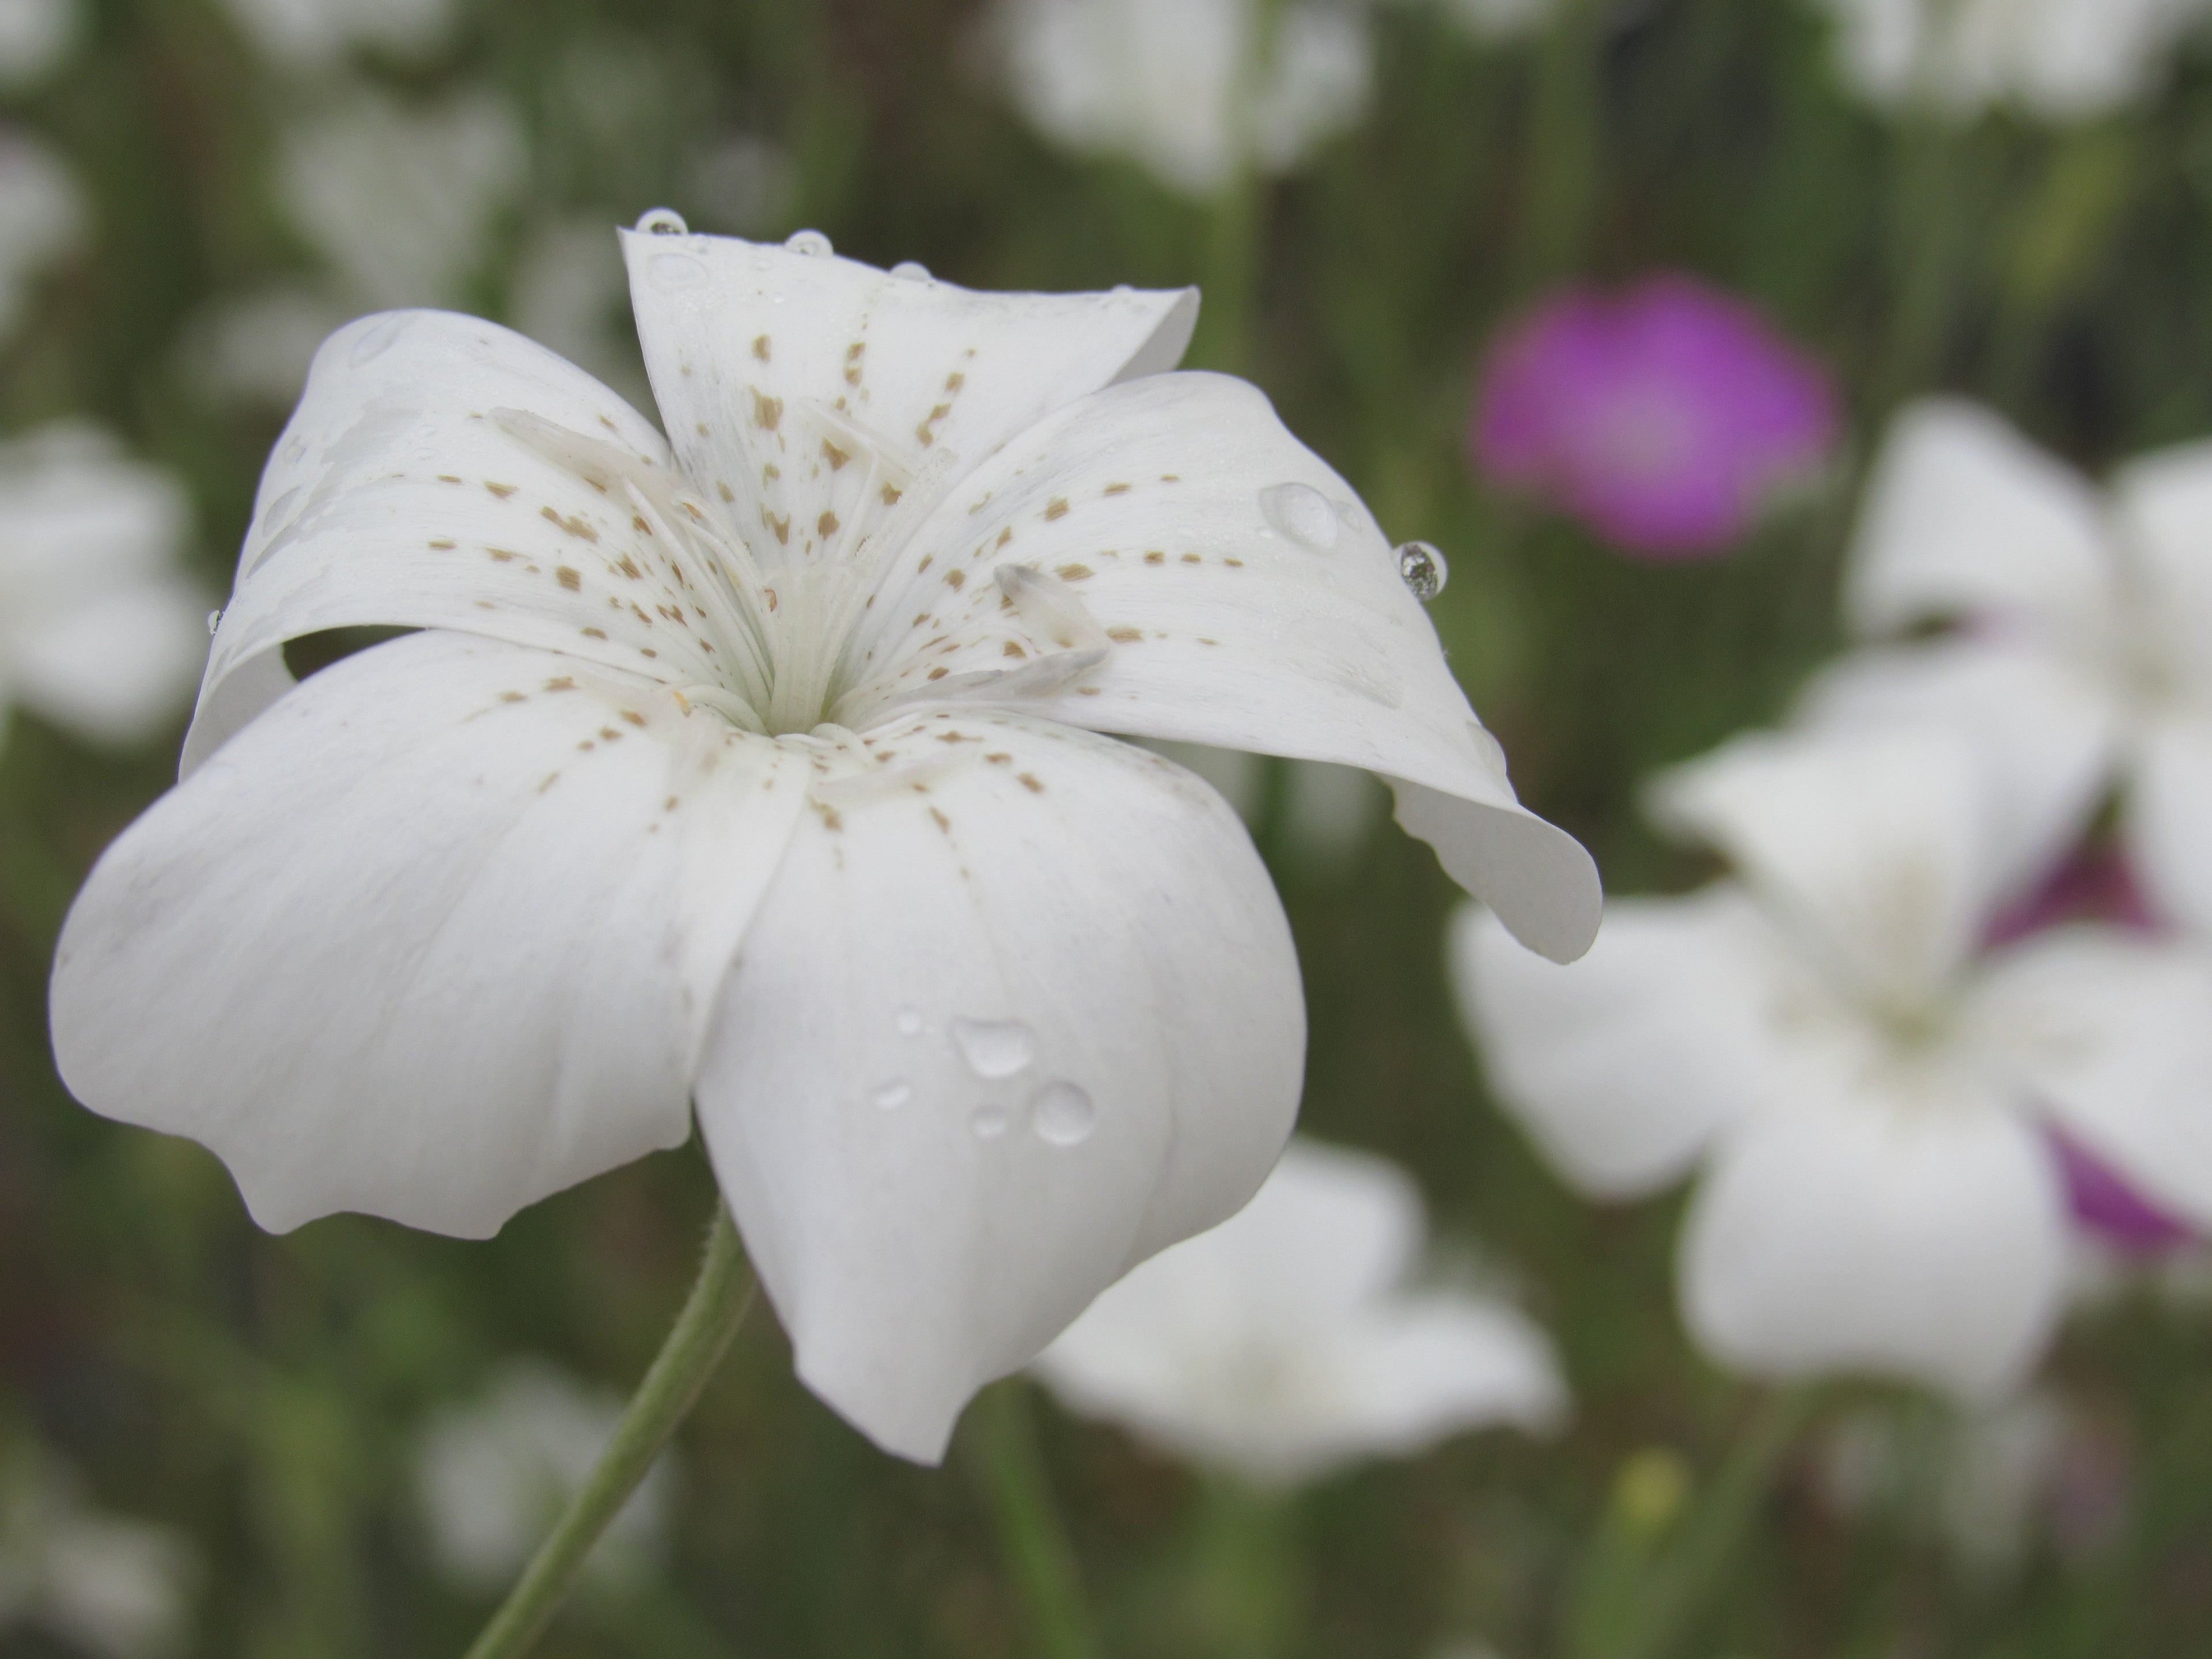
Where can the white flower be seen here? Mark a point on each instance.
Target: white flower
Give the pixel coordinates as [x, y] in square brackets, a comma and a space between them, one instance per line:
[315, 34]
[2059, 59]
[104, 633]
[35, 35]
[1284, 1342]
[1198, 91]
[494, 1475]
[41, 216]
[456, 922]
[116, 1589]
[1866, 1092]
[2085, 656]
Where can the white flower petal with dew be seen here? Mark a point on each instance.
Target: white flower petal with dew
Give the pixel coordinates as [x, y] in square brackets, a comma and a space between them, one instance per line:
[492, 1476]
[42, 215]
[1283, 1343]
[1869, 1093]
[104, 633]
[1197, 91]
[755, 774]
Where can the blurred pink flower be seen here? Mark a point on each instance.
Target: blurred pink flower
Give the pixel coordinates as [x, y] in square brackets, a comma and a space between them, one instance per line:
[1663, 417]
[2107, 1205]
[2094, 885]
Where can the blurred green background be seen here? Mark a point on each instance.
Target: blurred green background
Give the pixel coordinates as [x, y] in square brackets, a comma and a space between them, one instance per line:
[261, 1395]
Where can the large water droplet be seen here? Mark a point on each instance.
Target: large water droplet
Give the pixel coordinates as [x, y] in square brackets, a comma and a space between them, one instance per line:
[911, 271]
[662, 222]
[989, 1122]
[1302, 513]
[811, 243]
[676, 270]
[1489, 751]
[908, 1022]
[378, 340]
[995, 1048]
[1421, 567]
[215, 621]
[1061, 1114]
[893, 1095]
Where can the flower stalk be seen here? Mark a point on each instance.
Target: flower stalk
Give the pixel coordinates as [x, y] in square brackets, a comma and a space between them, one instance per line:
[1010, 1472]
[717, 1303]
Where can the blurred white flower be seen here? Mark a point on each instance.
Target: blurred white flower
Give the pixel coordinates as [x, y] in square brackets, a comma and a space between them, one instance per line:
[104, 633]
[1868, 1091]
[2059, 60]
[41, 216]
[492, 1477]
[35, 35]
[1286, 1342]
[401, 200]
[1330, 811]
[1198, 91]
[2084, 654]
[1016, 1006]
[116, 1589]
[315, 34]
[1496, 20]
[571, 295]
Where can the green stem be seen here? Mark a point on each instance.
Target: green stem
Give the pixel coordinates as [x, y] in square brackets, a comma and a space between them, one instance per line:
[695, 1344]
[1686, 1579]
[1012, 1472]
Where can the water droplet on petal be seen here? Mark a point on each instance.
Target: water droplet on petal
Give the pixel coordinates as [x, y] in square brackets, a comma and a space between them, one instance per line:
[995, 1048]
[1489, 751]
[911, 271]
[908, 1022]
[1061, 1114]
[378, 340]
[811, 243]
[676, 270]
[989, 1122]
[893, 1095]
[215, 621]
[662, 222]
[1302, 513]
[1421, 567]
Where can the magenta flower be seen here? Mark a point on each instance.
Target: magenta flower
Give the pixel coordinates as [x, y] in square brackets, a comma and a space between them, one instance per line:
[2105, 1204]
[1664, 417]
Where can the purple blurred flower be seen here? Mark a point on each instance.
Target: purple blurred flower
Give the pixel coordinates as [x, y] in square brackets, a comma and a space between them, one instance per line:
[2108, 1207]
[1664, 417]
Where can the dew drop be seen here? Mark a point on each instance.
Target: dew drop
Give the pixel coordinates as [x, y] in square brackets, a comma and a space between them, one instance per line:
[908, 1022]
[1302, 513]
[1061, 1114]
[989, 1122]
[378, 340]
[995, 1048]
[893, 1095]
[911, 271]
[1421, 567]
[676, 270]
[662, 222]
[215, 621]
[811, 243]
[1489, 751]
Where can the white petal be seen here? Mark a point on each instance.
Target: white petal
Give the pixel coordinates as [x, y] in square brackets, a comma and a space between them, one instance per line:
[2113, 1035]
[1020, 1010]
[120, 668]
[2164, 503]
[411, 945]
[1964, 515]
[1922, 1239]
[1883, 844]
[1254, 604]
[1438, 1362]
[404, 492]
[2168, 818]
[797, 388]
[1623, 1065]
[2043, 733]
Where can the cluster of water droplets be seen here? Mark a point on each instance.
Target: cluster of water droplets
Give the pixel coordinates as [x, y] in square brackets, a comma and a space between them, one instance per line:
[1303, 515]
[1059, 1113]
